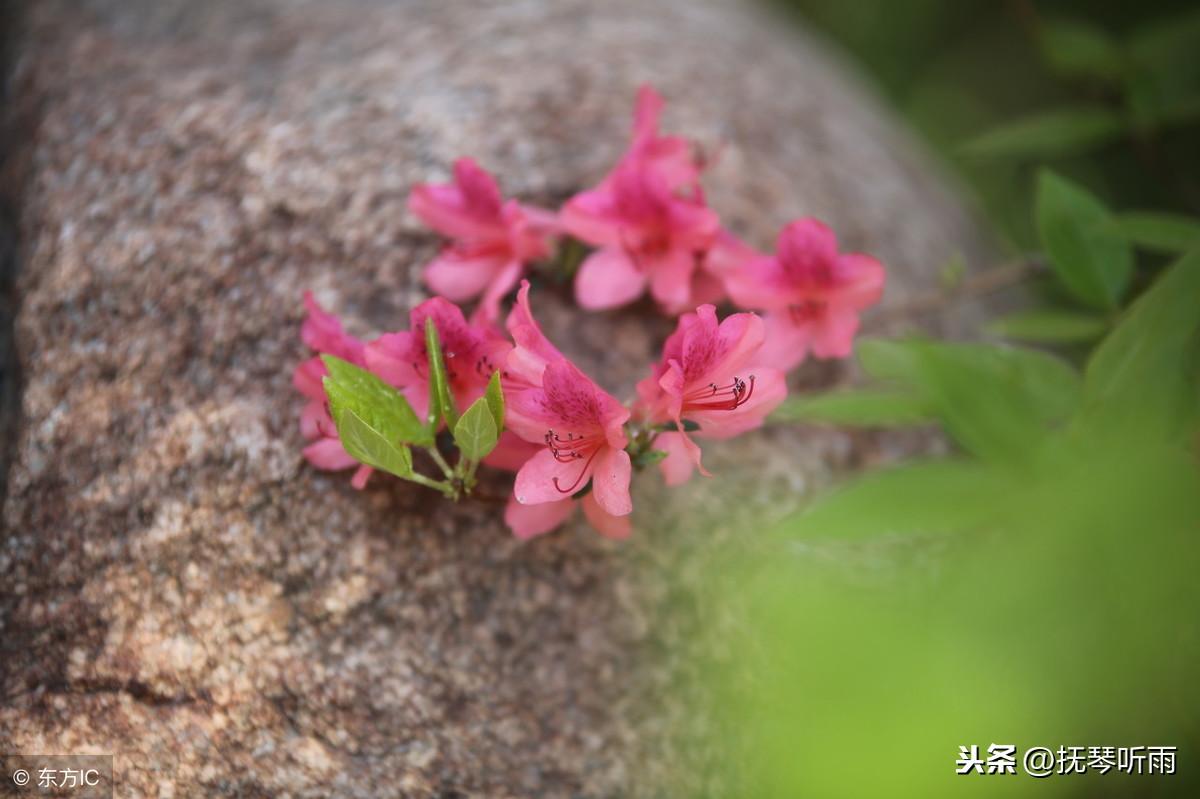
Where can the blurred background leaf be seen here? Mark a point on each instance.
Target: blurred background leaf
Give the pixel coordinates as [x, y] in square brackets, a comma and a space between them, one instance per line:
[1091, 259]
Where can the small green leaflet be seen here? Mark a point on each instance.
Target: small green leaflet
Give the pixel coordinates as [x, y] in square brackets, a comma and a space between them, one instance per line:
[476, 433]
[373, 401]
[368, 445]
[441, 401]
[1090, 259]
[495, 401]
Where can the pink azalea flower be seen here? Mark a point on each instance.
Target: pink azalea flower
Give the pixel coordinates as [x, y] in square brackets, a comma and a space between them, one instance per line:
[812, 293]
[711, 374]
[528, 521]
[580, 428]
[471, 352]
[492, 239]
[649, 222]
[323, 332]
[646, 236]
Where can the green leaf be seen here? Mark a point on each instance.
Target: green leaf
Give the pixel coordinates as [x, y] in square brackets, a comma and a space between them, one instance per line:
[1165, 73]
[1158, 232]
[369, 445]
[476, 433]
[867, 407]
[1076, 48]
[495, 401]
[933, 497]
[380, 406]
[1069, 131]
[441, 401]
[997, 402]
[649, 457]
[1051, 326]
[1148, 368]
[1090, 259]
[888, 360]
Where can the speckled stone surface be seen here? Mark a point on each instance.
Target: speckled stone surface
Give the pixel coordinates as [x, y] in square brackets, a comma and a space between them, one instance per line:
[176, 586]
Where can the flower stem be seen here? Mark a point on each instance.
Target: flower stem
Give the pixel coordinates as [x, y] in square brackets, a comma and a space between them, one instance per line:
[440, 461]
[437, 485]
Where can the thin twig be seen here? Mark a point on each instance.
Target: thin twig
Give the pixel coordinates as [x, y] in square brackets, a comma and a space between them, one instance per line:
[972, 287]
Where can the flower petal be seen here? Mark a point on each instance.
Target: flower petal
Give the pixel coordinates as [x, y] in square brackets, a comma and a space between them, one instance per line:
[315, 421]
[528, 521]
[329, 455]
[608, 279]
[759, 283]
[467, 209]
[608, 525]
[361, 475]
[611, 473]
[391, 357]
[502, 283]
[535, 482]
[859, 280]
[712, 351]
[511, 452]
[728, 254]
[307, 378]
[323, 332]
[807, 247]
[680, 462]
[671, 278]
[592, 216]
[786, 343]
[527, 335]
[833, 334]
[461, 276]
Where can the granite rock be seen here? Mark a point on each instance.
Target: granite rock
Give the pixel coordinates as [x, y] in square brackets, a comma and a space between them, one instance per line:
[176, 586]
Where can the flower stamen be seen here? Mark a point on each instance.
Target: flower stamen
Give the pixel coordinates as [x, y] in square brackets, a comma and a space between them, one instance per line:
[570, 448]
[728, 397]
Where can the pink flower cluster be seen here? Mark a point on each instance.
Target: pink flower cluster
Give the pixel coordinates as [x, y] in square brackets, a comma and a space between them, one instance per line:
[568, 440]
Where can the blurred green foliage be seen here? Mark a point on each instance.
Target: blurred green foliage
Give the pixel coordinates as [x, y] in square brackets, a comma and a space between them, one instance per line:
[1038, 586]
[1107, 92]
[1037, 589]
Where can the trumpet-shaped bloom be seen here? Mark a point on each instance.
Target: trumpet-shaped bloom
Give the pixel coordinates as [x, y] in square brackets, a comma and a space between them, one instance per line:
[491, 239]
[711, 374]
[323, 332]
[471, 353]
[649, 222]
[812, 294]
[646, 234]
[580, 427]
[528, 521]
